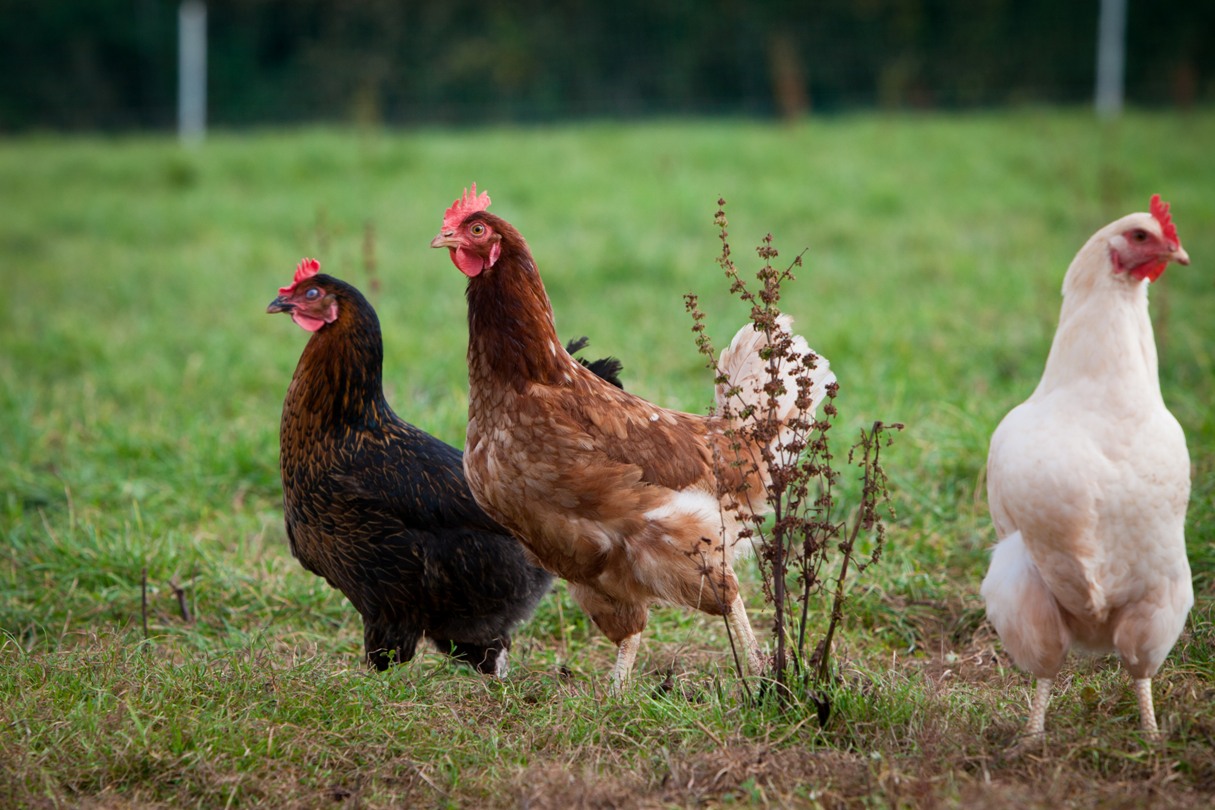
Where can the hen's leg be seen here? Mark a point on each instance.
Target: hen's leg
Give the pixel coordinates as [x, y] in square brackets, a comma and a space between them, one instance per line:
[488, 659]
[1147, 712]
[740, 626]
[622, 622]
[1037, 710]
[626, 656]
[387, 644]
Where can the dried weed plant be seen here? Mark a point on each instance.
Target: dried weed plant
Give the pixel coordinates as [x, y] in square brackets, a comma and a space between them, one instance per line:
[808, 551]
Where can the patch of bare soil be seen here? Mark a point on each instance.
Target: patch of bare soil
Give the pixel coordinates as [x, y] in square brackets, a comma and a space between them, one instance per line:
[748, 774]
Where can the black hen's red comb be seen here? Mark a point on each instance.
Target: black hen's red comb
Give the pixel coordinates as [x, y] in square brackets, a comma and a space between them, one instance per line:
[1160, 210]
[307, 268]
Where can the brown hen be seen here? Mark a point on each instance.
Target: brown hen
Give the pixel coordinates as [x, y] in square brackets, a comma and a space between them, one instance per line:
[625, 500]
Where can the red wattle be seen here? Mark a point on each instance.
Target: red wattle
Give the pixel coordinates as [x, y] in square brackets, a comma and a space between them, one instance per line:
[306, 322]
[312, 324]
[467, 262]
[1149, 271]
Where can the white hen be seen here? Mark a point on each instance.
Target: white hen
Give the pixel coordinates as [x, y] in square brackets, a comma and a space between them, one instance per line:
[1089, 478]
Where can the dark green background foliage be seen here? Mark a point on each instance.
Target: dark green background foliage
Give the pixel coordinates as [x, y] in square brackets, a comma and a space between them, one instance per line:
[112, 63]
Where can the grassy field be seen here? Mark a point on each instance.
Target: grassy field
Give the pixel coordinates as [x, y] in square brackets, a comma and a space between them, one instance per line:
[140, 388]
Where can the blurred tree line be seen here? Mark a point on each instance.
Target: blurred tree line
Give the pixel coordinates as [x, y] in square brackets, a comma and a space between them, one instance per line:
[112, 64]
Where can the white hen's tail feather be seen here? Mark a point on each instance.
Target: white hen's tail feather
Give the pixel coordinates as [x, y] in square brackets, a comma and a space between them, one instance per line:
[1023, 610]
[746, 369]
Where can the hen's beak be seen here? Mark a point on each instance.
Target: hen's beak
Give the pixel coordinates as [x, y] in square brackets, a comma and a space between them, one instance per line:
[445, 239]
[280, 304]
[1180, 256]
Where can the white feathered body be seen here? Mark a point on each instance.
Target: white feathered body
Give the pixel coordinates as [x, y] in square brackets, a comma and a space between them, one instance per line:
[1088, 482]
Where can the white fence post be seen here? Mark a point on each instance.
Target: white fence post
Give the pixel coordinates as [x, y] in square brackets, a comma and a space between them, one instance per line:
[191, 71]
[1111, 57]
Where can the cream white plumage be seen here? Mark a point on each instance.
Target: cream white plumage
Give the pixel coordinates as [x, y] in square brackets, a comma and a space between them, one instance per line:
[1088, 480]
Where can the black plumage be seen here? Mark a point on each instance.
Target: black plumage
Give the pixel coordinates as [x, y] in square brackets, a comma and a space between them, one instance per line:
[606, 368]
[381, 509]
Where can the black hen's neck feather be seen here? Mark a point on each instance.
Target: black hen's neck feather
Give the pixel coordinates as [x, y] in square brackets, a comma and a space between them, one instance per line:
[338, 383]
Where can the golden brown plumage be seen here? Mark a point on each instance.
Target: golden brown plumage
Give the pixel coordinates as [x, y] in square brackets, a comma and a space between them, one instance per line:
[618, 496]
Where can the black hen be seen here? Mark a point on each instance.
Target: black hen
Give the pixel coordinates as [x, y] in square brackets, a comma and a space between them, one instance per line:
[381, 509]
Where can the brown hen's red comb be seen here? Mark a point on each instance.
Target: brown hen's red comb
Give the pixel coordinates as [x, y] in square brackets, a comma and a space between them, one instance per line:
[461, 208]
[1160, 210]
[307, 268]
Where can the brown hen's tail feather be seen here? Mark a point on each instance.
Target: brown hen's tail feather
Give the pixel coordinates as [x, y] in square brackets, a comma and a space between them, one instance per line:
[747, 372]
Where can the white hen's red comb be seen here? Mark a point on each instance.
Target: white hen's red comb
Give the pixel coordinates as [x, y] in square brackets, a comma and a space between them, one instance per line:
[465, 205]
[307, 268]
[1160, 210]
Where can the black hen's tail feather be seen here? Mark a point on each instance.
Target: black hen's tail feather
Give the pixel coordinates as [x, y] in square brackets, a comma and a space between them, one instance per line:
[605, 368]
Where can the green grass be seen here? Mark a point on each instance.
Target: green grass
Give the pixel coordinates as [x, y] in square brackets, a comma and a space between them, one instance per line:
[140, 387]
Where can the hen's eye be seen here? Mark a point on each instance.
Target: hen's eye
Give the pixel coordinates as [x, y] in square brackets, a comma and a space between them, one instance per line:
[313, 294]
[1139, 236]
[477, 229]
